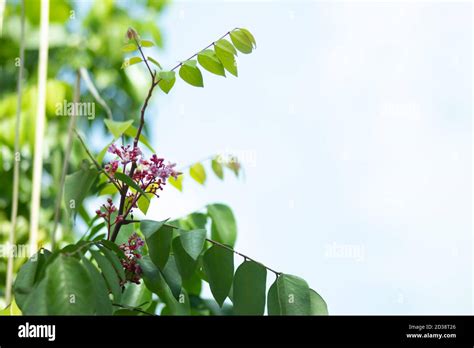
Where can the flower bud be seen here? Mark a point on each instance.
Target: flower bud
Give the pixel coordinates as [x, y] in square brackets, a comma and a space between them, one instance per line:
[132, 34]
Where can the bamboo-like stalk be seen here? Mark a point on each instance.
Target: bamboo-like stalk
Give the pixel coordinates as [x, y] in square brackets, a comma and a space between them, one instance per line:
[67, 156]
[2, 12]
[39, 126]
[16, 162]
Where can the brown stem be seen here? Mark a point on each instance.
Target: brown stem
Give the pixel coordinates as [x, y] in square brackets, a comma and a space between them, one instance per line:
[246, 258]
[154, 83]
[144, 59]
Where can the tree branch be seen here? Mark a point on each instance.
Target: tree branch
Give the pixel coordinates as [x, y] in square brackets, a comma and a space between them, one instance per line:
[144, 59]
[126, 222]
[154, 83]
[240, 254]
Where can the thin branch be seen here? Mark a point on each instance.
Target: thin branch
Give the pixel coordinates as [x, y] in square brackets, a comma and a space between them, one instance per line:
[246, 258]
[99, 168]
[135, 309]
[154, 83]
[16, 163]
[144, 59]
[205, 48]
[67, 155]
[126, 222]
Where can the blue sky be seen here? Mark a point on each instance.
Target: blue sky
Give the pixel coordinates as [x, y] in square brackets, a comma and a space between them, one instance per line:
[353, 121]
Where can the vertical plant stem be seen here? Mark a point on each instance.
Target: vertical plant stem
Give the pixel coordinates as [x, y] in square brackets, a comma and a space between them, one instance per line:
[2, 12]
[67, 156]
[16, 162]
[39, 126]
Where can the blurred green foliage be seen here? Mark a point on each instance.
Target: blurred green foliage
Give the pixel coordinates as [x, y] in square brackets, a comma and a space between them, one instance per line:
[81, 34]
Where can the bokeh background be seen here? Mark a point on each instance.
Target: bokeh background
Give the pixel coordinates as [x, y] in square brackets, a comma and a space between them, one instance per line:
[353, 123]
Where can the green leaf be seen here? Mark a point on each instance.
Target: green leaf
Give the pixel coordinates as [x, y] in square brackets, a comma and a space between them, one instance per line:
[28, 276]
[103, 305]
[234, 165]
[115, 261]
[146, 43]
[154, 61]
[241, 41]
[158, 240]
[136, 295]
[190, 73]
[186, 264]
[194, 221]
[131, 61]
[180, 307]
[223, 227]
[176, 183]
[144, 202]
[109, 273]
[217, 169]
[167, 80]
[68, 288]
[132, 132]
[76, 187]
[193, 241]
[198, 173]
[35, 303]
[273, 304]
[117, 128]
[227, 60]
[209, 61]
[318, 305]
[113, 246]
[289, 295]
[155, 281]
[218, 265]
[225, 46]
[129, 47]
[172, 276]
[249, 289]
[127, 180]
[193, 285]
[250, 36]
[108, 189]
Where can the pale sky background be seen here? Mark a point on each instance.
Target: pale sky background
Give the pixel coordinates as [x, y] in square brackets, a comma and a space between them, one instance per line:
[353, 121]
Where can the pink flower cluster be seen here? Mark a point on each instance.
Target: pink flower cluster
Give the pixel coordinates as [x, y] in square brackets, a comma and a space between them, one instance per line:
[130, 264]
[145, 171]
[106, 211]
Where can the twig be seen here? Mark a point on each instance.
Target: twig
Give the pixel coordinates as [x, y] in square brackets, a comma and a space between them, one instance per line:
[144, 59]
[195, 54]
[222, 246]
[133, 309]
[246, 258]
[154, 83]
[99, 168]
[126, 222]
